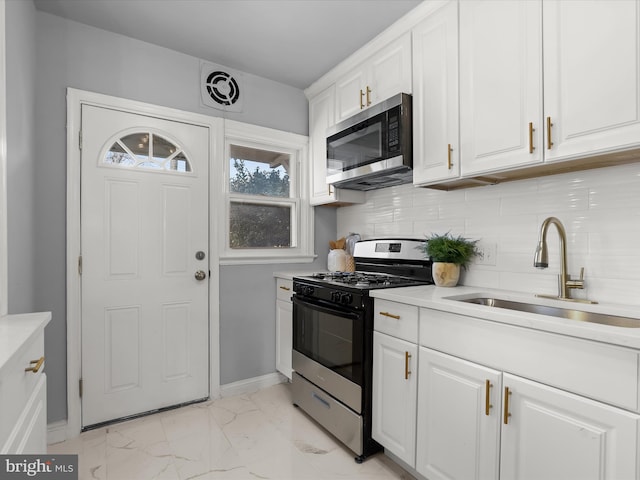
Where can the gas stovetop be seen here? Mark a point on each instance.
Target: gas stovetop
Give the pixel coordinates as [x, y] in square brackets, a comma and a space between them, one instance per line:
[380, 263]
[363, 280]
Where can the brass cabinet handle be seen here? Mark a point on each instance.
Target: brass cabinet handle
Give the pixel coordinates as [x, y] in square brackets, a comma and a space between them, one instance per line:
[407, 356]
[284, 288]
[487, 397]
[361, 96]
[390, 315]
[549, 125]
[35, 365]
[506, 405]
[368, 96]
[449, 164]
[531, 130]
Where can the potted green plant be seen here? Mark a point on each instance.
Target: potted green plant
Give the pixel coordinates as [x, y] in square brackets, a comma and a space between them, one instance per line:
[448, 254]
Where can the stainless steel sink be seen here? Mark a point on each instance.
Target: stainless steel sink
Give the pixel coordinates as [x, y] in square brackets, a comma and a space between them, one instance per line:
[569, 313]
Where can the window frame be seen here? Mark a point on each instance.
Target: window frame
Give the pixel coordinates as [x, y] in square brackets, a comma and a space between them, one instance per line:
[263, 138]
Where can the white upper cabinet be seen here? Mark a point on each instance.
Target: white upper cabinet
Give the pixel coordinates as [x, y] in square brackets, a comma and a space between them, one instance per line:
[436, 149]
[321, 117]
[500, 85]
[586, 103]
[381, 76]
[591, 76]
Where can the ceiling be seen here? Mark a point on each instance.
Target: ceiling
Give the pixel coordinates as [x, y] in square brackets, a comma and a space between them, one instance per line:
[290, 41]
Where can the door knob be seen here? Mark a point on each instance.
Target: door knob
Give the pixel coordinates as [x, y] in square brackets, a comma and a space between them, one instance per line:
[200, 275]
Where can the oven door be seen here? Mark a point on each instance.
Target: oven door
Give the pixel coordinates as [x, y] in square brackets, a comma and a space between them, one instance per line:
[328, 348]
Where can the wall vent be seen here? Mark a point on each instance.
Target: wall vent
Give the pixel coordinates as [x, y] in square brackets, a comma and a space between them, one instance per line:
[221, 87]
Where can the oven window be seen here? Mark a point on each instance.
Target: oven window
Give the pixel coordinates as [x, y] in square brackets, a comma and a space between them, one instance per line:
[331, 339]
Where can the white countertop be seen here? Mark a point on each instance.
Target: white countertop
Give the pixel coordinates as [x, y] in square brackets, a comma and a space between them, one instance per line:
[290, 275]
[15, 330]
[438, 298]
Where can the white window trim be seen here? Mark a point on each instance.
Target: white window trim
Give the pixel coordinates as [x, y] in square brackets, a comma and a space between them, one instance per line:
[302, 224]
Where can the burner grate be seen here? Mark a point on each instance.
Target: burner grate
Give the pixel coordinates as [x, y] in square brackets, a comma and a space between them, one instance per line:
[362, 279]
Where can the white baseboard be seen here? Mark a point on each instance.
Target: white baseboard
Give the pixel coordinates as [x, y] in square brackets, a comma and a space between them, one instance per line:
[251, 385]
[56, 432]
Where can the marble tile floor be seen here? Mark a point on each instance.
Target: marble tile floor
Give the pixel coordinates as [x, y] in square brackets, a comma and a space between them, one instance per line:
[252, 436]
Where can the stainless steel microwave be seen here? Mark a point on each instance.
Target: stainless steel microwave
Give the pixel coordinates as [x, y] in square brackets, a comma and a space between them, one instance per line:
[372, 149]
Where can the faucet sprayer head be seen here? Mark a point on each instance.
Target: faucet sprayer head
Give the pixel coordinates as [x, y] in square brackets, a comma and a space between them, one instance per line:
[541, 257]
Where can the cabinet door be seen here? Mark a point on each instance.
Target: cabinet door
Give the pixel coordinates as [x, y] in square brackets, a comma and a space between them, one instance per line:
[500, 85]
[381, 76]
[284, 337]
[591, 76]
[394, 395]
[321, 117]
[435, 97]
[389, 71]
[458, 418]
[29, 435]
[351, 93]
[553, 434]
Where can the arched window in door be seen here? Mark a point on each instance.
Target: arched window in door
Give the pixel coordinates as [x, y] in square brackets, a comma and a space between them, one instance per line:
[147, 150]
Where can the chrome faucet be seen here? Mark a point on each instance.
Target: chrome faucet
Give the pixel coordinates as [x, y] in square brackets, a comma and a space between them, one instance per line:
[541, 260]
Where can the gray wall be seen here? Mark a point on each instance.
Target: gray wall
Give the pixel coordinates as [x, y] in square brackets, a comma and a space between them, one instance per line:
[247, 309]
[21, 64]
[69, 54]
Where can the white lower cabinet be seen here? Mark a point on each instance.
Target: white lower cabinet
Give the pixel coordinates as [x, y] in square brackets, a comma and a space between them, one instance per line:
[394, 395]
[23, 384]
[284, 326]
[478, 423]
[450, 417]
[459, 406]
[551, 434]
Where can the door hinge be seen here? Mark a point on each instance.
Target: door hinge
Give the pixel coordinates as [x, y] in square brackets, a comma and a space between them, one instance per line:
[80, 265]
[80, 140]
[80, 387]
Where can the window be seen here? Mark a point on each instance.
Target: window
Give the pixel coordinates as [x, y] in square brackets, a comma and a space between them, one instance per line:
[146, 150]
[268, 216]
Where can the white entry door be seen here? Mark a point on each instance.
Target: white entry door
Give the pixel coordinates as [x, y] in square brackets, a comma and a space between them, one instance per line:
[145, 266]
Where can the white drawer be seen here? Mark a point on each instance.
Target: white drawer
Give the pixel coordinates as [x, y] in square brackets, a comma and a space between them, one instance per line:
[17, 385]
[396, 319]
[284, 289]
[592, 369]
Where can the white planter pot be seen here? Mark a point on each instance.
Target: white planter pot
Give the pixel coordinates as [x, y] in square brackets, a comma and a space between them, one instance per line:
[445, 274]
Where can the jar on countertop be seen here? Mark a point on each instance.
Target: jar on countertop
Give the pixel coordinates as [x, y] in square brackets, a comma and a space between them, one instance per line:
[337, 260]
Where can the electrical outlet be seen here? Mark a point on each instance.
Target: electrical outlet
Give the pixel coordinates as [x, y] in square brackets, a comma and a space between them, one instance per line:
[486, 253]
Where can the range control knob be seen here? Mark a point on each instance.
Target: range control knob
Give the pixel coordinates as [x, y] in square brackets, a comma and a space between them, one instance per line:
[346, 299]
[303, 289]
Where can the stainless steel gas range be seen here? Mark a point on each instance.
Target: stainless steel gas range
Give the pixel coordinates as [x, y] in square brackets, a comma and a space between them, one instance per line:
[333, 336]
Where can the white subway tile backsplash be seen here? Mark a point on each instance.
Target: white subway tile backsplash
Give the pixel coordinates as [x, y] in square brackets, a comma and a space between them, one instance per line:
[600, 210]
[399, 229]
[424, 213]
